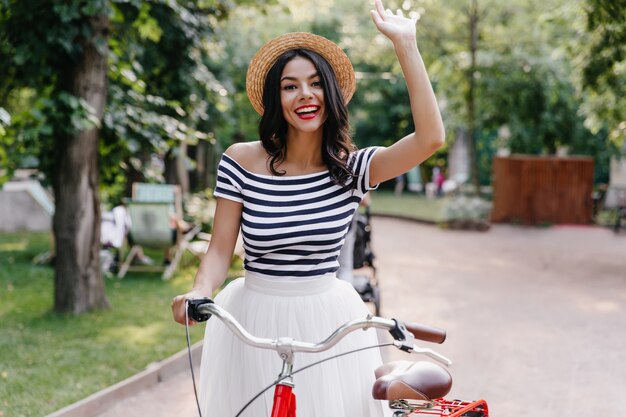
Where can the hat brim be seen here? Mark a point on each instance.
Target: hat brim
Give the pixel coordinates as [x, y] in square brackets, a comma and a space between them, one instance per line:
[265, 58]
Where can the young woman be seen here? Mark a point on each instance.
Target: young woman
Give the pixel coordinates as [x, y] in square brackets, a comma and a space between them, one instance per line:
[293, 194]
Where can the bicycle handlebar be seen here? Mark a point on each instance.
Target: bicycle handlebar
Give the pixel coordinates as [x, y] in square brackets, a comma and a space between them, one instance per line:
[426, 333]
[202, 309]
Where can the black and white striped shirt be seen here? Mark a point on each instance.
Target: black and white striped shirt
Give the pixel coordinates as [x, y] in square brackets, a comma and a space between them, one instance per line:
[293, 226]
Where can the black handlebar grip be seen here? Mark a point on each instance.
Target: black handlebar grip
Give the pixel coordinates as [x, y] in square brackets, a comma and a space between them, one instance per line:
[426, 333]
[193, 309]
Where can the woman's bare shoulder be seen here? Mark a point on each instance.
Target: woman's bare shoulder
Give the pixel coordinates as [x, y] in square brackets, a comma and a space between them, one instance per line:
[250, 155]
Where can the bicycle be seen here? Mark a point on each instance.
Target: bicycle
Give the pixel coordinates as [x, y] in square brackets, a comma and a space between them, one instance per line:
[412, 388]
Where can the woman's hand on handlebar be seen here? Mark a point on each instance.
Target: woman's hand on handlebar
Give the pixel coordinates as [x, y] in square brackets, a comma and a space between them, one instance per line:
[179, 304]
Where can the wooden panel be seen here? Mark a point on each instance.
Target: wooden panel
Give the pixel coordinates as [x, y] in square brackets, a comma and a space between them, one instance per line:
[535, 190]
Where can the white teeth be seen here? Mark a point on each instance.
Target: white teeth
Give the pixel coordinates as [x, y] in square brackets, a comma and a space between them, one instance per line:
[306, 109]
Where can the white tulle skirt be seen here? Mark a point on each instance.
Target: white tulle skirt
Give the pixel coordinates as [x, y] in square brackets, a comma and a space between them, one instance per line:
[307, 310]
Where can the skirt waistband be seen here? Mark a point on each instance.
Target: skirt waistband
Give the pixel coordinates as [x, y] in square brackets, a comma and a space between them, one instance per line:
[293, 287]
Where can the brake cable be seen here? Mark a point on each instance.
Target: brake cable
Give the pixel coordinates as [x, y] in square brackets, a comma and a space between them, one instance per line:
[193, 378]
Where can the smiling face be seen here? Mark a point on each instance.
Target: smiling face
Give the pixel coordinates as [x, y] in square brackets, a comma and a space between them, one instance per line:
[302, 96]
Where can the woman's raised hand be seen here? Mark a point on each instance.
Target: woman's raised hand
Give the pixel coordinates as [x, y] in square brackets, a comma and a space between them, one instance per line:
[394, 26]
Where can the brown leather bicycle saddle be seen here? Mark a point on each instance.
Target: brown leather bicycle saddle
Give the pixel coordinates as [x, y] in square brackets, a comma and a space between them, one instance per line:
[405, 380]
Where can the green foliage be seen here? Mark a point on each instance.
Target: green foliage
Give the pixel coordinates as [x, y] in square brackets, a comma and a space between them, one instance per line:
[165, 87]
[200, 208]
[525, 78]
[604, 68]
[162, 89]
[39, 38]
[537, 106]
[177, 72]
[36, 79]
[30, 140]
[381, 110]
[606, 21]
[526, 84]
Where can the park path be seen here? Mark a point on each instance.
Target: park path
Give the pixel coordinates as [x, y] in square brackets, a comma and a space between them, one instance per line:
[536, 318]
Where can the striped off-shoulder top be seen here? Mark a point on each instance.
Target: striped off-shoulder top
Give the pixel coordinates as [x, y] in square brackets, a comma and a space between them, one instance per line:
[293, 227]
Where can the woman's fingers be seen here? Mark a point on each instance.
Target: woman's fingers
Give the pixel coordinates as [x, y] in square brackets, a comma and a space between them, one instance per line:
[379, 8]
[376, 18]
[394, 26]
[179, 305]
[378, 15]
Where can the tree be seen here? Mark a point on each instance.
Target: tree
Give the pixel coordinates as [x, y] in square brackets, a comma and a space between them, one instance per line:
[76, 224]
[59, 57]
[64, 53]
[473, 18]
[522, 81]
[168, 90]
[604, 67]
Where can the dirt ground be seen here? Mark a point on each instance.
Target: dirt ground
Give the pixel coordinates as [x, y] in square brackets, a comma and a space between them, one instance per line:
[536, 318]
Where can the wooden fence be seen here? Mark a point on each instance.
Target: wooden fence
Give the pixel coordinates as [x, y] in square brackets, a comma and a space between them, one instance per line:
[535, 190]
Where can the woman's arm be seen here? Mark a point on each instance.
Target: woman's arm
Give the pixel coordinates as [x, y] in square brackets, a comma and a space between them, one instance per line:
[215, 263]
[429, 132]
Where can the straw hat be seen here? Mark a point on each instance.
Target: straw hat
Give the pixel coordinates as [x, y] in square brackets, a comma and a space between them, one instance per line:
[265, 58]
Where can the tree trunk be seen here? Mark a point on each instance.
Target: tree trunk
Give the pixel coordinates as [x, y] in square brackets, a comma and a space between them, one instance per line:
[198, 180]
[205, 166]
[471, 115]
[181, 169]
[79, 286]
[175, 170]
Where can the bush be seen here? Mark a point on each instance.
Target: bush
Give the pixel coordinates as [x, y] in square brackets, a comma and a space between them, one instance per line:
[466, 213]
[200, 209]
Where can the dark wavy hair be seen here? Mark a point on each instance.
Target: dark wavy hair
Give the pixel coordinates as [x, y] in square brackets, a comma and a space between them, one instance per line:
[336, 139]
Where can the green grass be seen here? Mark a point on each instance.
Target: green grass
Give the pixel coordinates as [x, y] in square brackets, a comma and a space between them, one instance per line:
[417, 206]
[409, 205]
[49, 360]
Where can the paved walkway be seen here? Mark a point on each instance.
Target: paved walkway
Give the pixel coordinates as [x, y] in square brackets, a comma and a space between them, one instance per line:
[173, 398]
[536, 318]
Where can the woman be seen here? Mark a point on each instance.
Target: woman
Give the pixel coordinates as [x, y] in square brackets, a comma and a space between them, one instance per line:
[293, 194]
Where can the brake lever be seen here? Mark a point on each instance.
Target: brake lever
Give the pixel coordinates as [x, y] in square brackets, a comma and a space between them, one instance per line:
[403, 338]
[193, 309]
[431, 353]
